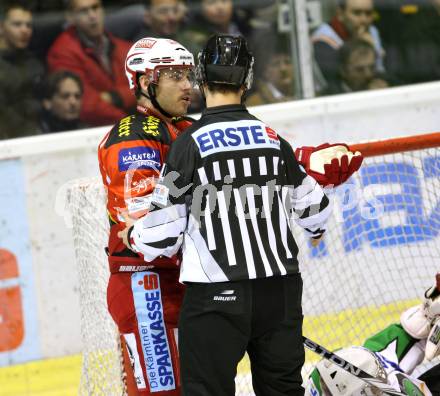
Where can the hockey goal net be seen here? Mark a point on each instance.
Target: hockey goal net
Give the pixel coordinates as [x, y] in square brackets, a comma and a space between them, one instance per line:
[381, 252]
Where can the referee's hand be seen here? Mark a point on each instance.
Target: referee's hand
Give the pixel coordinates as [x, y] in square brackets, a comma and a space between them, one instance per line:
[124, 233]
[316, 241]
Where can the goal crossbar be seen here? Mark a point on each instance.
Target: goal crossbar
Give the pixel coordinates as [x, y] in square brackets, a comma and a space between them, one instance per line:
[397, 145]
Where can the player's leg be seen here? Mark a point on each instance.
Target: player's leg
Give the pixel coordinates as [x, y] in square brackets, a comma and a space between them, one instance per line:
[213, 333]
[276, 350]
[135, 302]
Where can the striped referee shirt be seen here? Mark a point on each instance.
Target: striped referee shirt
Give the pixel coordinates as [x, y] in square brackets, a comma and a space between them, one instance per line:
[226, 196]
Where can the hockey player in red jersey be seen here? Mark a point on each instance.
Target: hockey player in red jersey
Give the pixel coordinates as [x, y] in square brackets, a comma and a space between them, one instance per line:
[144, 298]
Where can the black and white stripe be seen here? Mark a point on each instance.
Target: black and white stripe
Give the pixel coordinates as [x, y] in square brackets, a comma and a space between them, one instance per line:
[238, 224]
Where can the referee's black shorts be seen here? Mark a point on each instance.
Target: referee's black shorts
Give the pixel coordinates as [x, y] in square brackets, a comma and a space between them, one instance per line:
[219, 322]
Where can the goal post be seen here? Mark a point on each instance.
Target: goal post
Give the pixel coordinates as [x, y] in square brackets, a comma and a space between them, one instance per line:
[379, 255]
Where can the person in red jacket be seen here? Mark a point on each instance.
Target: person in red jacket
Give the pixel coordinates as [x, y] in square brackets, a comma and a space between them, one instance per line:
[95, 56]
[144, 297]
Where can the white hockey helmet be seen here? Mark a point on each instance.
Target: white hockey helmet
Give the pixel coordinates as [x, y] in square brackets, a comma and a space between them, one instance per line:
[151, 54]
[335, 381]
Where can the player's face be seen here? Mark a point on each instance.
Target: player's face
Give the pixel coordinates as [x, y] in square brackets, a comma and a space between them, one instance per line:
[357, 15]
[166, 15]
[17, 28]
[360, 70]
[218, 12]
[88, 17]
[66, 102]
[174, 90]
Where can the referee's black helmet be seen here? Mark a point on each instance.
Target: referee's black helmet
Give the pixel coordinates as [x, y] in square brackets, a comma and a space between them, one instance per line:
[225, 60]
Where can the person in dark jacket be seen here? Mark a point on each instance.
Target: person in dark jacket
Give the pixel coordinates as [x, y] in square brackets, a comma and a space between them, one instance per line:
[154, 18]
[357, 70]
[354, 19]
[412, 40]
[62, 101]
[96, 57]
[20, 73]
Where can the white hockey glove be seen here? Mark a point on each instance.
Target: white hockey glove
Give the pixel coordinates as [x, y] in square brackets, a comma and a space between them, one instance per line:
[417, 321]
[329, 164]
[432, 300]
[432, 348]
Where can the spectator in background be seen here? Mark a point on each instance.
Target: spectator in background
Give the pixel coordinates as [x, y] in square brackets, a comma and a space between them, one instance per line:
[411, 33]
[357, 70]
[63, 93]
[159, 18]
[20, 73]
[353, 19]
[212, 16]
[96, 56]
[276, 82]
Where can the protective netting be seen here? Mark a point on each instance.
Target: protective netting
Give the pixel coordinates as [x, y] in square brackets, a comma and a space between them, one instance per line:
[102, 372]
[381, 252]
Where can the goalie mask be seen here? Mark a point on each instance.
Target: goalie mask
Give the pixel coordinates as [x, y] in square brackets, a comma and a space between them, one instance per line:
[335, 381]
[225, 60]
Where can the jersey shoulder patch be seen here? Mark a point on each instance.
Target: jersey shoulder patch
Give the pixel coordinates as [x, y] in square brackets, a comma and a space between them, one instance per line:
[138, 127]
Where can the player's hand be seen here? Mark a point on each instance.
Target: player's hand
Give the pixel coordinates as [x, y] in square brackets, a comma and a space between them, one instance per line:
[124, 233]
[329, 164]
[316, 241]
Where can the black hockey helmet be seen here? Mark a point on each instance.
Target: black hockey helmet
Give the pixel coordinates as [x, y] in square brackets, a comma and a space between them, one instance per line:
[227, 60]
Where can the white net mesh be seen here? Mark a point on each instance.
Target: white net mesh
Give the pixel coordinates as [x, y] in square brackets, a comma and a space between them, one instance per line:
[380, 253]
[102, 360]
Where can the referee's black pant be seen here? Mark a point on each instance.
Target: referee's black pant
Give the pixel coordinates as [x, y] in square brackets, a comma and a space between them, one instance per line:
[219, 322]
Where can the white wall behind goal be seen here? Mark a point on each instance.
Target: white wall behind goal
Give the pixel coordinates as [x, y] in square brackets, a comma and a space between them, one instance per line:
[35, 222]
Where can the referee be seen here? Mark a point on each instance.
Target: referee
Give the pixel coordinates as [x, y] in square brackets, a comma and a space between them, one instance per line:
[226, 196]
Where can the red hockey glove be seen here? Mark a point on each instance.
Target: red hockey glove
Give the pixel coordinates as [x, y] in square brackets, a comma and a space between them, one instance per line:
[329, 164]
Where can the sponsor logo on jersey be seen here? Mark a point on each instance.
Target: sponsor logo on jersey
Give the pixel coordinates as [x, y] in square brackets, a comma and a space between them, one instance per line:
[225, 298]
[140, 157]
[237, 135]
[151, 126]
[160, 194]
[226, 295]
[135, 362]
[138, 206]
[271, 134]
[124, 126]
[135, 268]
[150, 316]
[146, 43]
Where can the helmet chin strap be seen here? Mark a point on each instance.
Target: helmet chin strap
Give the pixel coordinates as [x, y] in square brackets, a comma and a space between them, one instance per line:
[152, 97]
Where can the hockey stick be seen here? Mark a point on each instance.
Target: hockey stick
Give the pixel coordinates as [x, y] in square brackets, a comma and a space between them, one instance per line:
[351, 368]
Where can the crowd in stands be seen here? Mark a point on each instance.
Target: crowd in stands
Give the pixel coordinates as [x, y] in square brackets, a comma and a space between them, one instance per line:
[61, 61]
